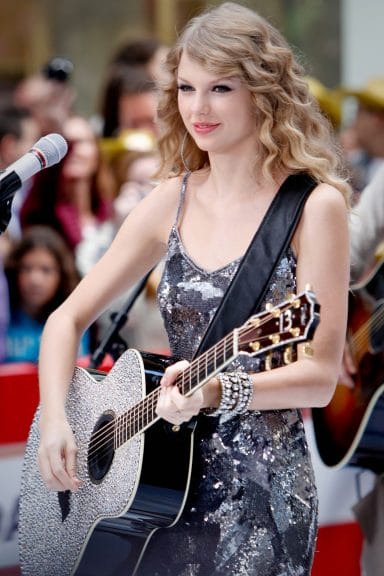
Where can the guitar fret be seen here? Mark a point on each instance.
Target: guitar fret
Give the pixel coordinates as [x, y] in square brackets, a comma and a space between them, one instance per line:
[211, 366]
[123, 432]
[115, 428]
[120, 428]
[200, 369]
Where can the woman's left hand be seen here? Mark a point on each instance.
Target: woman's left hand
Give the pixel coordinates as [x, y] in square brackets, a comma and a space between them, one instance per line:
[172, 405]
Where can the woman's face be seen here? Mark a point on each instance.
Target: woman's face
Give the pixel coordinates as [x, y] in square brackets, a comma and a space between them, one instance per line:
[217, 111]
[38, 279]
[83, 155]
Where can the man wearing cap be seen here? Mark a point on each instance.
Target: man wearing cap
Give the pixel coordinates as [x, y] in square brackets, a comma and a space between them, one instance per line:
[367, 152]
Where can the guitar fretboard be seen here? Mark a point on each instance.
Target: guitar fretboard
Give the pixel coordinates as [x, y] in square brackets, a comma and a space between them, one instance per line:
[143, 414]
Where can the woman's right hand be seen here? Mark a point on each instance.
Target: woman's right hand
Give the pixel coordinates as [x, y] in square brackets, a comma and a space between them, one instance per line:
[57, 455]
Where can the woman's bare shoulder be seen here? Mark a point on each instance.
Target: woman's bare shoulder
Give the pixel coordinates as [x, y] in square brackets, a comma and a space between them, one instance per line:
[325, 205]
[156, 213]
[325, 212]
[168, 187]
[324, 196]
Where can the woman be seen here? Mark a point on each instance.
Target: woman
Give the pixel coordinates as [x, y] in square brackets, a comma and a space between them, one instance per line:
[236, 116]
[75, 197]
[41, 274]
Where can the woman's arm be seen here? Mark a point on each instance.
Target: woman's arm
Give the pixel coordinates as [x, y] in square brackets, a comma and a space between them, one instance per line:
[139, 244]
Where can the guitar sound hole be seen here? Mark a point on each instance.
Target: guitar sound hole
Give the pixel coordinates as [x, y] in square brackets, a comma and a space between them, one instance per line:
[101, 448]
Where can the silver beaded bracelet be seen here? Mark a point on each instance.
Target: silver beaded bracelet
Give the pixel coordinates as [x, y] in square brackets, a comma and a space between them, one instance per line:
[236, 393]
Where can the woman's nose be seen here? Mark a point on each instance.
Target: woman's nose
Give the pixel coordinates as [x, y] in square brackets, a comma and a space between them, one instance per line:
[201, 104]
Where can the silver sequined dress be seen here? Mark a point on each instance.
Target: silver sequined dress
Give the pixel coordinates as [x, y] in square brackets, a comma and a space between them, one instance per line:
[252, 506]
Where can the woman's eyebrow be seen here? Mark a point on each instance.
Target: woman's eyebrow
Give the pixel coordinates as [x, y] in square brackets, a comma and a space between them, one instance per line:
[214, 81]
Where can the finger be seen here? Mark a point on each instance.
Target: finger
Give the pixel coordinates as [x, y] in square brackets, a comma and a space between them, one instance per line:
[191, 405]
[50, 472]
[71, 466]
[172, 372]
[167, 409]
[58, 466]
[46, 473]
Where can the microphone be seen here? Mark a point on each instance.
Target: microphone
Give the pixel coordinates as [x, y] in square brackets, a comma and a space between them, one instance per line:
[47, 151]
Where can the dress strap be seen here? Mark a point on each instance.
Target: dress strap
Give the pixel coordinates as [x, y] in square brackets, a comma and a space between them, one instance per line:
[182, 196]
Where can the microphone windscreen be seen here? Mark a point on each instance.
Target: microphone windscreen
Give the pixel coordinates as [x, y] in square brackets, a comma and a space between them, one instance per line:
[53, 147]
[47, 151]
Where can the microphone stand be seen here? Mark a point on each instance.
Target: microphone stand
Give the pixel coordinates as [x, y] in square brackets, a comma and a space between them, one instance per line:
[112, 341]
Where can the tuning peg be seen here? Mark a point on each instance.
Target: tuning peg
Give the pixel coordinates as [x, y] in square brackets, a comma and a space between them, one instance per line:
[274, 338]
[294, 300]
[295, 332]
[268, 361]
[308, 350]
[275, 311]
[288, 354]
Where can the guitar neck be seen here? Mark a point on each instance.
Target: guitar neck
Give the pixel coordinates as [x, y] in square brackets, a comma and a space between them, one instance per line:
[293, 321]
[143, 414]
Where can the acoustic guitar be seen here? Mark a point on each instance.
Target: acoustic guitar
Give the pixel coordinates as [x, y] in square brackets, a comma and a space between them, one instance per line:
[135, 468]
[350, 430]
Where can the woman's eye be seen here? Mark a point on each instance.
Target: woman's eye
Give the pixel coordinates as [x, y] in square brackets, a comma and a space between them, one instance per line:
[184, 88]
[221, 88]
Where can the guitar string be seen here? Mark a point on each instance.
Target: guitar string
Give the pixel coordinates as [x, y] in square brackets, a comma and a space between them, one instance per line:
[148, 404]
[104, 446]
[124, 419]
[119, 429]
[113, 428]
[360, 336]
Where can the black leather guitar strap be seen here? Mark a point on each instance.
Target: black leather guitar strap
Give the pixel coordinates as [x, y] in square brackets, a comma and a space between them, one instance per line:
[251, 281]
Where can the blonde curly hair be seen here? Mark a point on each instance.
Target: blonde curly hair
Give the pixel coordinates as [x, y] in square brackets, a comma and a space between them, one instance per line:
[294, 135]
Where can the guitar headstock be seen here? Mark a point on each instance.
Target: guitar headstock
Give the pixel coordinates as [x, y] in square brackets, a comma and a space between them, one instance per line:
[292, 321]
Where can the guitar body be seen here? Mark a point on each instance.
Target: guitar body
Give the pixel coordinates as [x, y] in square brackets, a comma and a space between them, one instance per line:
[350, 429]
[127, 493]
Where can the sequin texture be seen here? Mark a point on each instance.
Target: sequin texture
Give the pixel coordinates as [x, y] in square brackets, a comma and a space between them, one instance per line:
[252, 504]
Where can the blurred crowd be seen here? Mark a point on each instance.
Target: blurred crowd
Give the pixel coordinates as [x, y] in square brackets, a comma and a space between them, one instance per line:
[65, 217]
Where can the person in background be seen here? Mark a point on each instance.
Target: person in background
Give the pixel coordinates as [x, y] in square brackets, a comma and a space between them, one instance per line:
[138, 177]
[236, 120]
[129, 101]
[363, 139]
[19, 131]
[41, 274]
[148, 53]
[128, 111]
[367, 227]
[75, 196]
[329, 101]
[127, 98]
[359, 363]
[49, 94]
